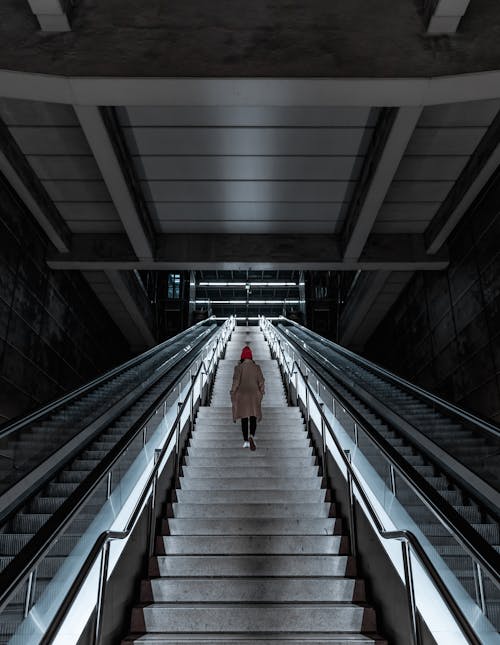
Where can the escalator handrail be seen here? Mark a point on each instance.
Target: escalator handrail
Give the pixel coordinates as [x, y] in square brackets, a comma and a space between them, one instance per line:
[6, 514]
[28, 558]
[468, 537]
[436, 401]
[398, 534]
[108, 536]
[50, 408]
[480, 499]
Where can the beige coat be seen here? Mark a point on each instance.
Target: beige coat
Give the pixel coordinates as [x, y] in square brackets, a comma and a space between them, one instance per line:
[247, 390]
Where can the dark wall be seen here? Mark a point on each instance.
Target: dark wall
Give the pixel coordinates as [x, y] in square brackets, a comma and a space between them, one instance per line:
[444, 330]
[54, 333]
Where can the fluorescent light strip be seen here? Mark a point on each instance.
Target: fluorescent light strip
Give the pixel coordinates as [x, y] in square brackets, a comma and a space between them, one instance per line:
[252, 284]
[246, 318]
[250, 302]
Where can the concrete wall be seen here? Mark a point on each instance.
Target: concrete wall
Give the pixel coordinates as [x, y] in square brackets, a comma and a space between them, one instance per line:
[444, 330]
[54, 333]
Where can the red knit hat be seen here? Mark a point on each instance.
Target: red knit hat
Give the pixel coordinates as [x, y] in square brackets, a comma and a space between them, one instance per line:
[246, 353]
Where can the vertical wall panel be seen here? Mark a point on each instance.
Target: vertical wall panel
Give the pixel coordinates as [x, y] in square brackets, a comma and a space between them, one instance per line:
[54, 333]
[443, 332]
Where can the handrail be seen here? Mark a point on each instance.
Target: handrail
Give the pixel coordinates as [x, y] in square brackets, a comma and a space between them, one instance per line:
[15, 572]
[481, 500]
[406, 535]
[7, 513]
[107, 536]
[467, 536]
[421, 393]
[49, 408]
[30, 553]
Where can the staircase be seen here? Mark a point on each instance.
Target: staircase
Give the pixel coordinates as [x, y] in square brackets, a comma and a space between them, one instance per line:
[252, 551]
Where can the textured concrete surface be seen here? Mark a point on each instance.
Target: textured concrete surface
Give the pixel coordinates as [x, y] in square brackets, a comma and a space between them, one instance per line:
[240, 38]
[443, 331]
[54, 333]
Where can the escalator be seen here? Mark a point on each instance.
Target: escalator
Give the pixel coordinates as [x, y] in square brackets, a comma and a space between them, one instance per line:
[55, 456]
[454, 453]
[156, 525]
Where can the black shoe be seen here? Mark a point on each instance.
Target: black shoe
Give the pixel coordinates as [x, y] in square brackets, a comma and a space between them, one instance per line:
[252, 443]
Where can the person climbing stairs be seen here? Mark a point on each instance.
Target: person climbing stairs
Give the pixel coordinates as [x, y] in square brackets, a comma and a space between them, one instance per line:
[252, 549]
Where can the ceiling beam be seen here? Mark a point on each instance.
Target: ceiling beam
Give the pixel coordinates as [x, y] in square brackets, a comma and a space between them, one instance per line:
[119, 283]
[52, 15]
[444, 16]
[390, 139]
[249, 252]
[111, 157]
[373, 295]
[24, 181]
[483, 162]
[418, 91]
[358, 306]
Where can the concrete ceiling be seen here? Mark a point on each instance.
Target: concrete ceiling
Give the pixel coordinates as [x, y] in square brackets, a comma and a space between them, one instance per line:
[236, 38]
[340, 136]
[290, 187]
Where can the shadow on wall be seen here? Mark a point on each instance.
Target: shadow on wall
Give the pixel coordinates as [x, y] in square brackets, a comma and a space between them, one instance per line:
[54, 333]
[443, 332]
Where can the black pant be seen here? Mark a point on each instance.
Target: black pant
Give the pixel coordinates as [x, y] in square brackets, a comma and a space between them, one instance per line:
[244, 427]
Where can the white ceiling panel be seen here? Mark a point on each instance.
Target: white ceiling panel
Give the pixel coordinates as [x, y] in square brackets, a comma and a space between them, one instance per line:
[65, 167]
[244, 141]
[77, 191]
[444, 141]
[245, 211]
[402, 212]
[96, 226]
[88, 211]
[256, 227]
[248, 168]
[393, 228]
[430, 168]
[237, 191]
[48, 140]
[418, 191]
[471, 113]
[279, 116]
[36, 113]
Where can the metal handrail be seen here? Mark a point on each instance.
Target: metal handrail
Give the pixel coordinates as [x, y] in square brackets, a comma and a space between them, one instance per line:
[9, 511]
[407, 536]
[15, 573]
[51, 407]
[419, 392]
[480, 499]
[101, 545]
[462, 530]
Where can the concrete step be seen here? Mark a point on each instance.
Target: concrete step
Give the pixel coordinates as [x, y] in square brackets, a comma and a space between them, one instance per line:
[251, 544]
[250, 496]
[265, 425]
[234, 451]
[240, 483]
[267, 421]
[249, 590]
[266, 618]
[276, 411]
[290, 411]
[254, 639]
[251, 472]
[278, 434]
[221, 566]
[255, 510]
[235, 443]
[248, 458]
[254, 526]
